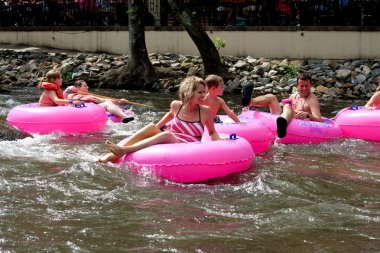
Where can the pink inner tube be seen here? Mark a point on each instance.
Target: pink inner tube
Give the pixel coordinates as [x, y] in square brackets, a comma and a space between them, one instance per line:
[32, 118]
[300, 131]
[357, 122]
[118, 119]
[191, 162]
[255, 130]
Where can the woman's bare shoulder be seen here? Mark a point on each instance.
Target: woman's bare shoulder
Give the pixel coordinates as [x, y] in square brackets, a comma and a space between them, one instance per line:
[205, 109]
[175, 105]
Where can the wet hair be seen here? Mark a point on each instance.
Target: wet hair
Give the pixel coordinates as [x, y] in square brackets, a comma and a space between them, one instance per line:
[378, 81]
[50, 76]
[188, 86]
[304, 76]
[78, 83]
[213, 81]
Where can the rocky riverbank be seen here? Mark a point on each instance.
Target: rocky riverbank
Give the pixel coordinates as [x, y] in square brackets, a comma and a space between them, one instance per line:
[333, 79]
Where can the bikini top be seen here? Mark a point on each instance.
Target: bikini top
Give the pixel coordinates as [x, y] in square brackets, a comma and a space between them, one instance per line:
[191, 131]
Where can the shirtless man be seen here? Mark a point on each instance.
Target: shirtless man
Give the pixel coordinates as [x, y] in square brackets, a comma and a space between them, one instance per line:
[301, 105]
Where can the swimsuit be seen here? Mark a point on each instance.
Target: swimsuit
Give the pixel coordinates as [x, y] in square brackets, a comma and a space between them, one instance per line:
[186, 131]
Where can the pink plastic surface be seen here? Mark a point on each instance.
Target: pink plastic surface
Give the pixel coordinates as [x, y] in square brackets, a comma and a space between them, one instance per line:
[117, 119]
[359, 123]
[299, 131]
[255, 129]
[191, 162]
[32, 118]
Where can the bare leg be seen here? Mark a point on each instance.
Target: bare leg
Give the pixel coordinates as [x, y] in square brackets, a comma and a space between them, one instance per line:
[287, 112]
[269, 100]
[283, 121]
[145, 132]
[163, 137]
[109, 106]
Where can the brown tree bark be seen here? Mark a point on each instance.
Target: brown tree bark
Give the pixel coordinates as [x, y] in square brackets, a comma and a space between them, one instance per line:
[139, 72]
[209, 53]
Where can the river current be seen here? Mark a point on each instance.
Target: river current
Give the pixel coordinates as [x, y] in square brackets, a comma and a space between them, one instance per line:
[295, 198]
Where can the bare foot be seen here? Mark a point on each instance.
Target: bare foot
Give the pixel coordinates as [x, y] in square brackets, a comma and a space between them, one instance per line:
[107, 158]
[117, 150]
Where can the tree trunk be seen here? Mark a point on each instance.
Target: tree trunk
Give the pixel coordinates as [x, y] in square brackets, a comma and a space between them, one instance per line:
[139, 72]
[209, 53]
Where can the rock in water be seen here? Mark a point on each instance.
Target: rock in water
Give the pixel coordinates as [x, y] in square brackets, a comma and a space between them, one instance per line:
[9, 133]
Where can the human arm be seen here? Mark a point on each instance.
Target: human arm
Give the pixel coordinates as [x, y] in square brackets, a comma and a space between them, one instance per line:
[70, 91]
[121, 101]
[373, 101]
[165, 119]
[315, 109]
[310, 110]
[174, 106]
[209, 123]
[228, 111]
[58, 101]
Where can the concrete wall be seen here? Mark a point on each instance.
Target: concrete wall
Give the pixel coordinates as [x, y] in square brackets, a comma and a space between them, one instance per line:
[293, 43]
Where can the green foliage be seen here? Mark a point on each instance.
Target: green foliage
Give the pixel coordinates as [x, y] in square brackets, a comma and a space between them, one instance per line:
[219, 43]
[132, 11]
[288, 71]
[67, 76]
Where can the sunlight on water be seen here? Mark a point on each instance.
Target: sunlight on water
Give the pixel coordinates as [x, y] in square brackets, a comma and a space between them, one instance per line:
[296, 198]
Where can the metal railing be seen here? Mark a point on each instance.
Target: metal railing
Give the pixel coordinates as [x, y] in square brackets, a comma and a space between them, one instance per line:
[19, 13]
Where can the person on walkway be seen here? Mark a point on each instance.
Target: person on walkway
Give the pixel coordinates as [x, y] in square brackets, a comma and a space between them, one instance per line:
[374, 101]
[301, 105]
[52, 94]
[215, 89]
[188, 117]
[80, 91]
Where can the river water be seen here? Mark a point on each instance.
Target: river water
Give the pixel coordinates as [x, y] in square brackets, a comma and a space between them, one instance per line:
[295, 198]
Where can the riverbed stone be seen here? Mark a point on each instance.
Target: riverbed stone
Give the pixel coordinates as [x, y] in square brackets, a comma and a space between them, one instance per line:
[375, 72]
[343, 73]
[344, 78]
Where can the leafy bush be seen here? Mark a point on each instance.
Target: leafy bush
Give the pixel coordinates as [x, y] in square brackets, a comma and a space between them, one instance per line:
[219, 43]
[288, 71]
[67, 76]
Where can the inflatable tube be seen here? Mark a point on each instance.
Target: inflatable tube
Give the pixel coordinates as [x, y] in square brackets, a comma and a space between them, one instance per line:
[256, 130]
[300, 131]
[31, 118]
[117, 119]
[191, 162]
[357, 122]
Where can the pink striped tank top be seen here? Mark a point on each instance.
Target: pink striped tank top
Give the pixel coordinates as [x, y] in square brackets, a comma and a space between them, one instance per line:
[187, 131]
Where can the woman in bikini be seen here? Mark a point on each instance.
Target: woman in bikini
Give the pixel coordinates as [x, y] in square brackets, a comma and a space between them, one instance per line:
[189, 118]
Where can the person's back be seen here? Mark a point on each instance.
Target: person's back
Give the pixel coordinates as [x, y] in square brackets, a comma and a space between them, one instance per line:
[215, 88]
